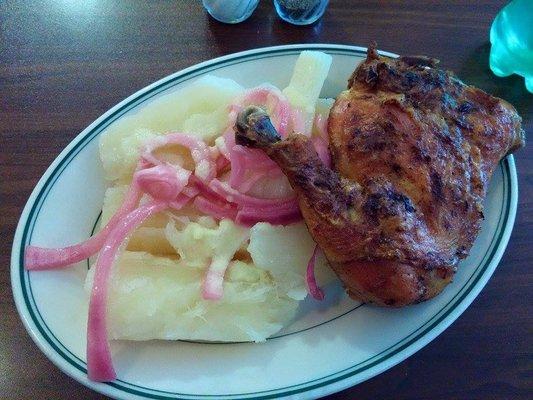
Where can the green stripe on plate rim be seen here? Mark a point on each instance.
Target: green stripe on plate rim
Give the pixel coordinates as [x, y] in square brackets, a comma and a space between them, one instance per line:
[145, 95]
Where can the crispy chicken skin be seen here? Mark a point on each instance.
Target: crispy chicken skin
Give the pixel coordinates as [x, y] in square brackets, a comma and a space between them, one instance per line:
[413, 150]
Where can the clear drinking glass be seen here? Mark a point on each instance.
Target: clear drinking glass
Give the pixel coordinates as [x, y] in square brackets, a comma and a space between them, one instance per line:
[230, 11]
[300, 12]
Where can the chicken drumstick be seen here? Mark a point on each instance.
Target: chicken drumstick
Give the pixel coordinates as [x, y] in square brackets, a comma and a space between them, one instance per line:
[413, 150]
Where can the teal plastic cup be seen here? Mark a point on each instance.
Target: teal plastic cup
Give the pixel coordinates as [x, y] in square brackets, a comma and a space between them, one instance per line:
[511, 38]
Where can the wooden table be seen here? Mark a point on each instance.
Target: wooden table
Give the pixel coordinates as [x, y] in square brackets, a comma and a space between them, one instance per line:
[63, 63]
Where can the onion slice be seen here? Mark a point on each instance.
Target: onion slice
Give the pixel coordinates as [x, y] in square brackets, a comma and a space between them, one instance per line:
[215, 209]
[40, 258]
[312, 286]
[171, 187]
[247, 183]
[179, 202]
[214, 279]
[163, 182]
[250, 216]
[234, 196]
[99, 364]
[205, 167]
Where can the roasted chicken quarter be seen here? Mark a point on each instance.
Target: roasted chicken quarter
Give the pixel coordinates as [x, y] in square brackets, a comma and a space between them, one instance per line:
[413, 151]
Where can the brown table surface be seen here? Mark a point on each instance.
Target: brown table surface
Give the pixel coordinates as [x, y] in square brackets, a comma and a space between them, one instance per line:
[63, 63]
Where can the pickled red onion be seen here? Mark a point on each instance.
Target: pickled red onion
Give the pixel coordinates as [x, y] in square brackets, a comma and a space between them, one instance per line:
[237, 170]
[222, 163]
[247, 183]
[312, 286]
[215, 209]
[173, 187]
[40, 258]
[179, 202]
[254, 158]
[234, 196]
[190, 191]
[249, 216]
[204, 190]
[214, 279]
[99, 364]
[163, 182]
[205, 168]
[243, 159]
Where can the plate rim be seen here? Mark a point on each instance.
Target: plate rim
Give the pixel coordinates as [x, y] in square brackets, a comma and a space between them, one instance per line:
[303, 390]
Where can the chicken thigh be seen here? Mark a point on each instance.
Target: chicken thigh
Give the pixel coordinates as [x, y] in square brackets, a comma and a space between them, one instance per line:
[413, 150]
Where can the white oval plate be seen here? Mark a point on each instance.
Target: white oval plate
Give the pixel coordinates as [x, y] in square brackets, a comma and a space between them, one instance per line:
[330, 346]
